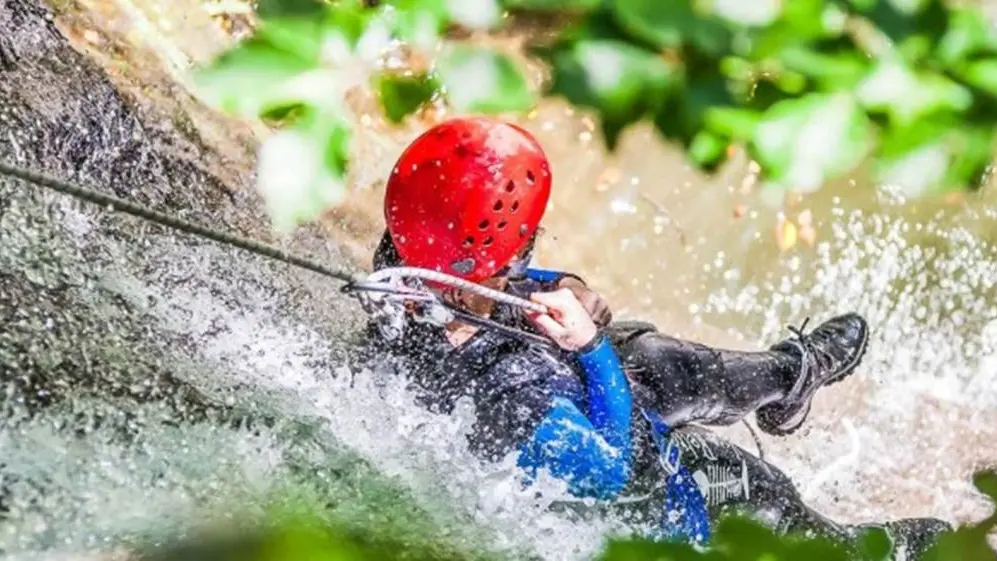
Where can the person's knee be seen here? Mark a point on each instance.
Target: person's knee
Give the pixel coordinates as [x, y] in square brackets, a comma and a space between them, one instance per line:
[651, 348]
[622, 333]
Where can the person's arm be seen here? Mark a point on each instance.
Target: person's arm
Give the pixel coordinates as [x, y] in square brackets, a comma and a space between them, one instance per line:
[591, 453]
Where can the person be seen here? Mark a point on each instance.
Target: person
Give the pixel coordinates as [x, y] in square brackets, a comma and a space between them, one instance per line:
[615, 409]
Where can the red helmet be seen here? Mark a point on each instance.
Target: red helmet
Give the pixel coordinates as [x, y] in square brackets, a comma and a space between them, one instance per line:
[466, 196]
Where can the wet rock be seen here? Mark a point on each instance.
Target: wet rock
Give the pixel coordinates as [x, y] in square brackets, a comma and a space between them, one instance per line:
[108, 323]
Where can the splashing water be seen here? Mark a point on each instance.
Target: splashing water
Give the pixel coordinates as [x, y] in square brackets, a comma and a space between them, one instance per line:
[907, 435]
[78, 488]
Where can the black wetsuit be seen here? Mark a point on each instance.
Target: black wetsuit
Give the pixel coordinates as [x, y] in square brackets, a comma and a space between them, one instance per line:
[685, 383]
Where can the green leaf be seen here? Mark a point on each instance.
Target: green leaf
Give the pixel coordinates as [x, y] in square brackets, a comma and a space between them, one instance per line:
[937, 155]
[793, 139]
[301, 169]
[968, 34]
[419, 23]
[707, 149]
[346, 20]
[893, 88]
[299, 35]
[438, 7]
[986, 483]
[267, 9]
[482, 80]
[575, 6]
[327, 33]
[831, 72]
[875, 544]
[898, 141]
[909, 7]
[402, 95]
[969, 542]
[598, 25]
[475, 14]
[800, 23]
[915, 158]
[694, 101]
[757, 13]
[672, 24]
[981, 74]
[621, 81]
[257, 78]
[732, 122]
[743, 538]
[863, 5]
[901, 19]
[972, 163]
[644, 550]
[816, 549]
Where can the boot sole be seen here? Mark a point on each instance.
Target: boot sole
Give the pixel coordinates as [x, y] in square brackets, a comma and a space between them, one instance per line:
[781, 429]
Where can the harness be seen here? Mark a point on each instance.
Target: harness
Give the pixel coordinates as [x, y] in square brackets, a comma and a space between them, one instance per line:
[686, 512]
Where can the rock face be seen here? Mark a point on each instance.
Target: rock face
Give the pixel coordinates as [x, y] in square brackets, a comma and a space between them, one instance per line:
[109, 324]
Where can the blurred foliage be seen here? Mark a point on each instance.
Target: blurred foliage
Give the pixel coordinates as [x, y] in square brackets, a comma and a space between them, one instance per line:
[304, 537]
[811, 88]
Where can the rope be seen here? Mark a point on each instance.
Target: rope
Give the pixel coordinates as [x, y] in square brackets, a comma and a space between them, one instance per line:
[754, 436]
[115, 204]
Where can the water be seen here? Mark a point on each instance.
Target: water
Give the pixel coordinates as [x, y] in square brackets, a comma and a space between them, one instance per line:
[217, 379]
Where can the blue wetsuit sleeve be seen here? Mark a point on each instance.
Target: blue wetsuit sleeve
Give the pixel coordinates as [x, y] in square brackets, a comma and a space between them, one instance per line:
[591, 453]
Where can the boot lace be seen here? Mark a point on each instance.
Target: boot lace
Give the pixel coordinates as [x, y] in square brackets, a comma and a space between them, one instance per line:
[811, 354]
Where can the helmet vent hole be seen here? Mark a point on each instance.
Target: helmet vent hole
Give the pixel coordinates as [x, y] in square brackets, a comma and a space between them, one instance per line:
[497, 207]
[483, 225]
[468, 241]
[530, 178]
[515, 206]
[487, 242]
[510, 187]
[501, 225]
[523, 229]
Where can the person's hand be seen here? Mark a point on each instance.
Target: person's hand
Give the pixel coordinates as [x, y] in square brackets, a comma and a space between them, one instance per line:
[592, 301]
[566, 322]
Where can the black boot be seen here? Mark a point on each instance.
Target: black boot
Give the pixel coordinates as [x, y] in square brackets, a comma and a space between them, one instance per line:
[827, 355]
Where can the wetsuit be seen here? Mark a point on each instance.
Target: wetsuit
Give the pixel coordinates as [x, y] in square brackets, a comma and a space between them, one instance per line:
[614, 419]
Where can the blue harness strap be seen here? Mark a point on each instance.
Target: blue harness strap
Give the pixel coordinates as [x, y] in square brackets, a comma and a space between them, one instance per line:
[686, 516]
[543, 275]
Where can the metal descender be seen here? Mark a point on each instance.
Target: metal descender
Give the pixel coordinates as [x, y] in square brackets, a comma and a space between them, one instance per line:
[390, 303]
[394, 296]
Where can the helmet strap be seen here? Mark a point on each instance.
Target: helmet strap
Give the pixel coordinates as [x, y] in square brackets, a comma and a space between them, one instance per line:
[517, 269]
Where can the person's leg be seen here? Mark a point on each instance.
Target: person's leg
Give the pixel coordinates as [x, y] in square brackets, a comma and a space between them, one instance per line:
[693, 383]
[734, 480]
